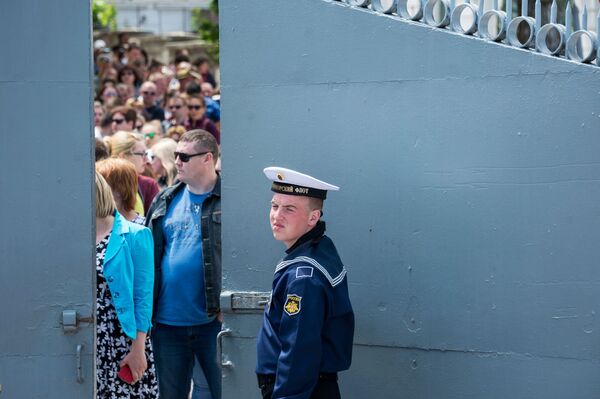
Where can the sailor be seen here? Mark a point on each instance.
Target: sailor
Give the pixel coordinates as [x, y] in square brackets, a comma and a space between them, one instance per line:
[308, 326]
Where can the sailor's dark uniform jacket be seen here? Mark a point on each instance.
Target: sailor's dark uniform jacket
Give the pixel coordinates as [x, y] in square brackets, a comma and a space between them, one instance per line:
[308, 325]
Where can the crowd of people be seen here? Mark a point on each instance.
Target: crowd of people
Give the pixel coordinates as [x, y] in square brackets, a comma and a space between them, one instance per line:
[142, 95]
[157, 127]
[158, 247]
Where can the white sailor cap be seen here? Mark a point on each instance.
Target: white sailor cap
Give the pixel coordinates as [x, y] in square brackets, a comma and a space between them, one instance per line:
[287, 181]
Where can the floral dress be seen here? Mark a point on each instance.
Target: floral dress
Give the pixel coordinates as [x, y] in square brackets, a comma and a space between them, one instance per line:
[113, 345]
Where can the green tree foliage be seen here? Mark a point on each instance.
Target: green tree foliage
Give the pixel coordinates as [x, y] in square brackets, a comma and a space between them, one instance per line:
[206, 24]
[104, 15]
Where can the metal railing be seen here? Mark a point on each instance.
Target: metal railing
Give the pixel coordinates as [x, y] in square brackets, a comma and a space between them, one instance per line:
[497, 25]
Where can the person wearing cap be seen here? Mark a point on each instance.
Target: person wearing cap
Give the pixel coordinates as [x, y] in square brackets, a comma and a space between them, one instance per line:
[185, 74]
[308, 326]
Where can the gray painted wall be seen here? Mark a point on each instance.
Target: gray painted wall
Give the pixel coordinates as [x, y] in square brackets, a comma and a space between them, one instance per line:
[46, 244]
[470, 203]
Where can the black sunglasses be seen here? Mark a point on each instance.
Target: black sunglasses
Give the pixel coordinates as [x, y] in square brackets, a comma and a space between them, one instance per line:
[196, 107]
[118, 121]
[149, 93]
[175, 107]
[186, 157]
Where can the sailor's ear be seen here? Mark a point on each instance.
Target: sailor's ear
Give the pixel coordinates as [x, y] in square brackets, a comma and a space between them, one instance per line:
[314, 217]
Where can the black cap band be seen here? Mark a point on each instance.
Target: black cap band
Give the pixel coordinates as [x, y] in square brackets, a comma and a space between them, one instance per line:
[292, 189]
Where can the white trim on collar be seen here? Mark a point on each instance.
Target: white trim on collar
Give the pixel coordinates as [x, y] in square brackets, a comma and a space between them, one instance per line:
[305, 259]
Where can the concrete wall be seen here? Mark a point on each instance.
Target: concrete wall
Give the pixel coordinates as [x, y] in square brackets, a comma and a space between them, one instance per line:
[470, 203]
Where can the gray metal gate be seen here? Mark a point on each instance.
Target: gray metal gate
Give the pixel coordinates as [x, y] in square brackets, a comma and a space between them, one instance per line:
[46, 208]
[469, 205]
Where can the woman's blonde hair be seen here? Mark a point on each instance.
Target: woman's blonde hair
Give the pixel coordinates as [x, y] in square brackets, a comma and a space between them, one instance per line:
[165, 151]
[105, 203]
[122, 143]
[122, 179]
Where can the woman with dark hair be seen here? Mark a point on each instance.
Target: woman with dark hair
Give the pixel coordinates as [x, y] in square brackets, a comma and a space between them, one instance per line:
[124, 285]
[202, 65]
[197, 117]
[131, 77]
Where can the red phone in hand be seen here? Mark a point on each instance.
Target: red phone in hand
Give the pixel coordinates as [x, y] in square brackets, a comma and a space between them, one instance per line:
[125, 374]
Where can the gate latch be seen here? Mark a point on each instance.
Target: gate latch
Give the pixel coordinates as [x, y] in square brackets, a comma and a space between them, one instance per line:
[244, 301]
[71, 319]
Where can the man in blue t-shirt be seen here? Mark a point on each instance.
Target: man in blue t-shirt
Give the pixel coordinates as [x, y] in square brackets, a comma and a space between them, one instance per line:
[186, 224]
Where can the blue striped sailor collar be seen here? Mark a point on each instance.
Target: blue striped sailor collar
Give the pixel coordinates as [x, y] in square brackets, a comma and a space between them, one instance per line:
[333, 280]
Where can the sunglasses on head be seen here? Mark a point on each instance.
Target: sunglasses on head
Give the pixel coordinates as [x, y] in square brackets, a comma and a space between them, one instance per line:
[196, 107]
[186, 157]
[118, 121]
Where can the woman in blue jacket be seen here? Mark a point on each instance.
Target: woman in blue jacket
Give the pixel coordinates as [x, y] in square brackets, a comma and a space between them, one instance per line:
[125, 278]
